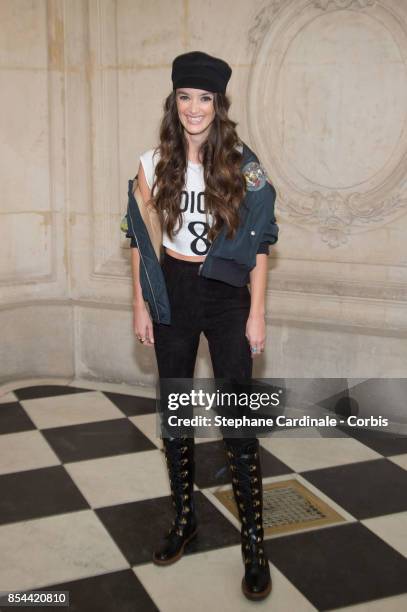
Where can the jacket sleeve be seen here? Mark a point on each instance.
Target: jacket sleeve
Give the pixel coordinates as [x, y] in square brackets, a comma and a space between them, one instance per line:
[258, 181]
[263, 248]
[270, 233]
[124, 226]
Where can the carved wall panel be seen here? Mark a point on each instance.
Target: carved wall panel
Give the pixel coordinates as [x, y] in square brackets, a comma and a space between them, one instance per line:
[328, 108]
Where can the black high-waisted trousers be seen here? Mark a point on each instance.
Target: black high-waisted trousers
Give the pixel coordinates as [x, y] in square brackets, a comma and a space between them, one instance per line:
[200, 304]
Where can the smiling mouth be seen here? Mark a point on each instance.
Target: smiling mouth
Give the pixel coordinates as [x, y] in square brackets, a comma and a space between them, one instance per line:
[195, 120]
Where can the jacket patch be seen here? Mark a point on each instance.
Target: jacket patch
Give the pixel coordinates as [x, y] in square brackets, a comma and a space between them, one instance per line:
[123, 225]
[255, 176]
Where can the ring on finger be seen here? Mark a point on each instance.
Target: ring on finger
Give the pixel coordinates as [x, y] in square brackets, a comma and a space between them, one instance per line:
[256, 349]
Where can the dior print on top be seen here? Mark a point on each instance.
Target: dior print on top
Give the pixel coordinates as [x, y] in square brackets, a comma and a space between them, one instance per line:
[191, 239]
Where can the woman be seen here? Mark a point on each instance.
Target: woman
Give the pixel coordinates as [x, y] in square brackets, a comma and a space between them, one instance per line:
[211, 252]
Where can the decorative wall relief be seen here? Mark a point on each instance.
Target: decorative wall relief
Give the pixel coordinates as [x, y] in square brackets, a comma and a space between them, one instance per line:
[327, 111]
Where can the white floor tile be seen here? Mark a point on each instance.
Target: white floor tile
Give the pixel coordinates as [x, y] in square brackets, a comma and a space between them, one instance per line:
[8, 397]
[302, 454]
[71, 409]
[122, 478]
[25, 450]
[56, 549]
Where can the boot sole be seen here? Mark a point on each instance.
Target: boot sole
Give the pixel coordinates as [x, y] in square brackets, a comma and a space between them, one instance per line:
[178, 555]
[255, 596]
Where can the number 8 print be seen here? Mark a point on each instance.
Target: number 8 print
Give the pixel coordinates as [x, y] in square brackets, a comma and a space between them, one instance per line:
[192, 226]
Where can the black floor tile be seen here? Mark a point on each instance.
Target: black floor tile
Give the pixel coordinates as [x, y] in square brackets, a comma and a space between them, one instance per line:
[212, 468]
[114, 592]
[384, 443]
[13, 418]
[38, 493]
[132, 405]
[46, 391]
[99, 439]
[339, 566]
[365, 489]
[138, 527]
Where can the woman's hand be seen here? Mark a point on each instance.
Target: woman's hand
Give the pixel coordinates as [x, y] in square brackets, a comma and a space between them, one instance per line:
[256, 332]
[142, 324]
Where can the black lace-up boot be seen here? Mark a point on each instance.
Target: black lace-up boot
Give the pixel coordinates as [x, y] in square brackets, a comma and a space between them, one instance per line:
[247, 485]
[179, 455]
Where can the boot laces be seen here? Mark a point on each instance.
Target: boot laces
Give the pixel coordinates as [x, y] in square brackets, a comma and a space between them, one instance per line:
[248, 491]
[181, 485]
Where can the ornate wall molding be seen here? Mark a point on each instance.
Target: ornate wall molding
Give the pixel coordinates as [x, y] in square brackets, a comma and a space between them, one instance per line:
[106, 194]
[336, 215]
[368, 192]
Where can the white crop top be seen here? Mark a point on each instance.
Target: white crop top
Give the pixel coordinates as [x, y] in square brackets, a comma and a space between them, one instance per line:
[191, 238]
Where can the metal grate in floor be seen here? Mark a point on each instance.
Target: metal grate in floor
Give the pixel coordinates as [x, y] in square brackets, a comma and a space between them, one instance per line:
[287, 506]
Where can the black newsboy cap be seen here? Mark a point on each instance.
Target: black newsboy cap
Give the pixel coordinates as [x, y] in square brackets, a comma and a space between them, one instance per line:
[200, 71]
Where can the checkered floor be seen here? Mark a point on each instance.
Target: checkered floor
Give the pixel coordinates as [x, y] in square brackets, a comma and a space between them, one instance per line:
[85, 498]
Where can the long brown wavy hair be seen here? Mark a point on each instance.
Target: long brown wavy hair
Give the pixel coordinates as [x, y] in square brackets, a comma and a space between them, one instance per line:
[224, 183]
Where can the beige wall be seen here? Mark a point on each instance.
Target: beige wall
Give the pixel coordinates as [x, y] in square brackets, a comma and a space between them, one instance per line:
[319, 90]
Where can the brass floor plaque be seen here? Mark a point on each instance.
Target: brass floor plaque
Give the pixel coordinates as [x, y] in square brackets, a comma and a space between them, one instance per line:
[287, 506]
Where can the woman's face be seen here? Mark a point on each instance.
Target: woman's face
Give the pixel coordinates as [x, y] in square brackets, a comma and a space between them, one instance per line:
[195, 109]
